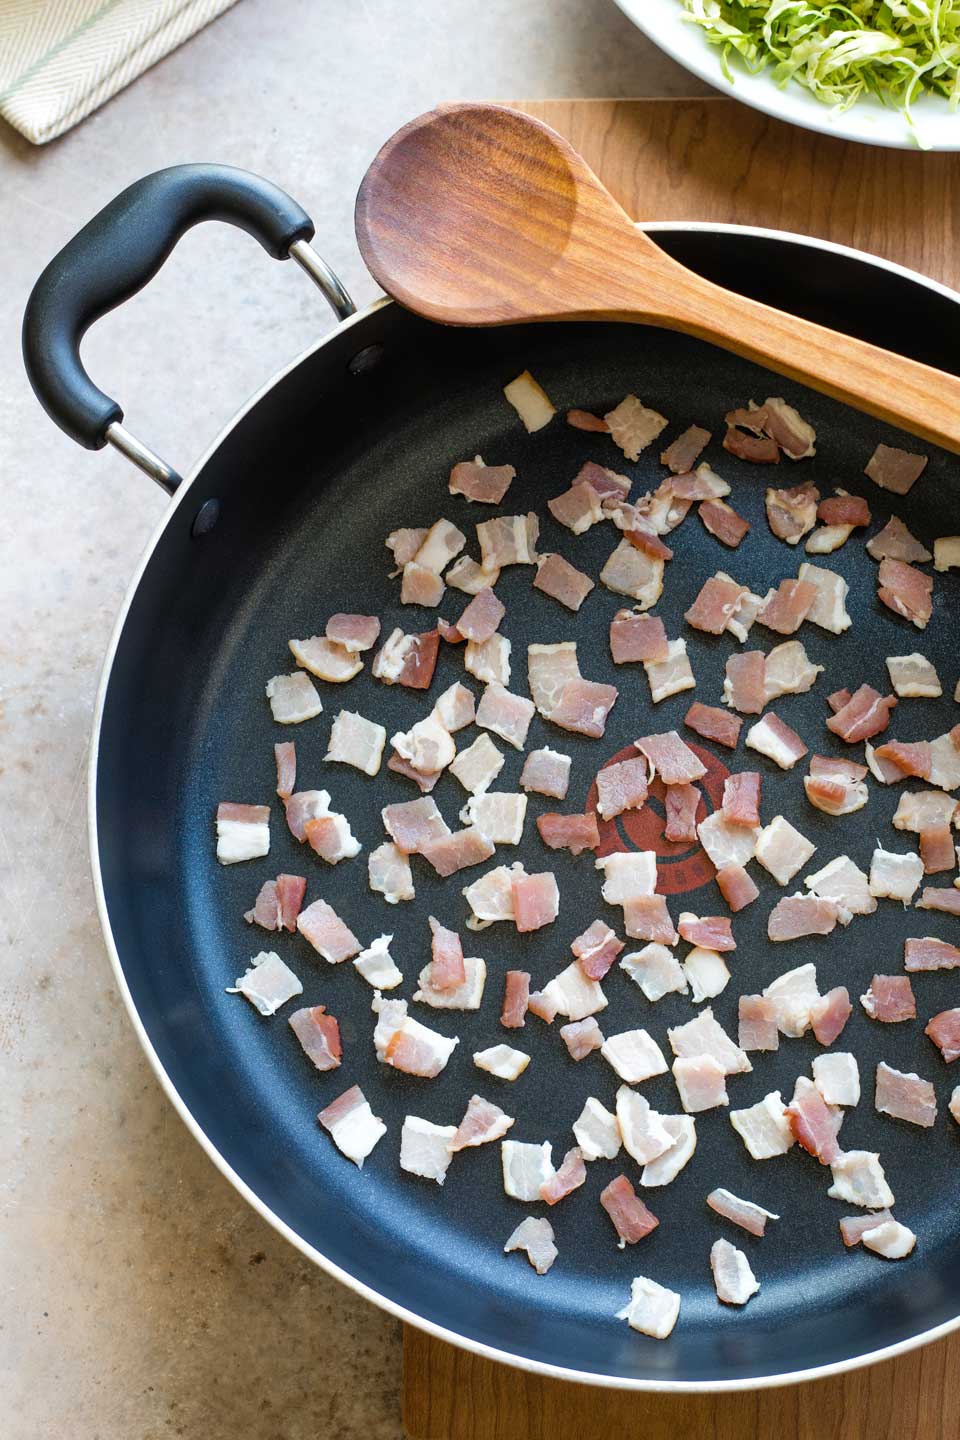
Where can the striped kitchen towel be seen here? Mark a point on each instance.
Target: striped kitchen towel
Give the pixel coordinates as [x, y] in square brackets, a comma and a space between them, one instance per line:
[61, 59]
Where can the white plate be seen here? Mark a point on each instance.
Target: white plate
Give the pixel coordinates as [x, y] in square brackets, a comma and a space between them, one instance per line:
[867, 121]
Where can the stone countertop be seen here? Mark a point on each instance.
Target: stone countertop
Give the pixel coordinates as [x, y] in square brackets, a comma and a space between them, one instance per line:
[141, 1297]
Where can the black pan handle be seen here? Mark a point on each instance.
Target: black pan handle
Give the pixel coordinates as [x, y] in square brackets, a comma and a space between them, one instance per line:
[114, 256]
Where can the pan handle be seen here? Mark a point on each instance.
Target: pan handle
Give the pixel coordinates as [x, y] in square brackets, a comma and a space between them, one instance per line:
[114, 256]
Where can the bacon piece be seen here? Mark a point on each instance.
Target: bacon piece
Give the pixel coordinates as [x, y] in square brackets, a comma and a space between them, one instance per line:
[627, 875]
[757, 1016]
[639, 532]
[937, 898]
[829, 609]
[727, 844]
[906, 591]
[546, 772]
[485, 483]
[482, 1123]
[243, 832]
[319, 1034]
[717, 601]
[584, 420]
[447, 970]
[356, 741]
[664, 510]
[646, 917]
[482, 616]
[733, 1278]
[286, 758]
[895, 470]
[782, 850]
[325, 659]
[330, 937]
[570, 1176]
[700, 1081]
[926, 953]
[706, 1036]
[864, 715]
[741, 798]
[290, 892]
[736, 887]
[621, 786]
[791, 513]
[425, 780]
[674, 761]
[637, 638]
[842, 509]
[569, 832]
[798, 915]
[508, 540]
[536, 901]
[403, 545]
[744, 687]
[562, 581]
[813, 1122]
[668, 677]
[466, 575]
[773, 738]
[607, 483]
[944, 1031]
[833, 789]
[714, 724]
[506, 714]
[712, 931]
[895, 542]
[854, 1227]
[793, 434]
[759, 449]
[682, 454]
[353, 1126]
[582, 1037]
[789, 671]
[457, 851]
[838, 699]
[905, 1096]
[785, 609]
[913, 677]
[583, 707]
[550, 668]
[633, 427]
[414, 823]
[750, 1217]
[330, 837]
[266, 909]
[764, 1127]
[701, 484]
[516, 993]
[890, 999]
[920, 809]
[634, 572]
[389, 873]
[723, 522]
[895, 876]
[631, 1218]
[829, 1014]
[912, 759]
[681, 804]
[534, 1235]
[407, 660]
[596, 949]
[577, 508]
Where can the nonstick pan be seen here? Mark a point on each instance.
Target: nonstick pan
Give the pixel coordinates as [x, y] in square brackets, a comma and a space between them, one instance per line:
[281, 523]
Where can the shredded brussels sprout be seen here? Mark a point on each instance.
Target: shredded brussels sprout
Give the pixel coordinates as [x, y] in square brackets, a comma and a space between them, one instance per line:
[894, 49]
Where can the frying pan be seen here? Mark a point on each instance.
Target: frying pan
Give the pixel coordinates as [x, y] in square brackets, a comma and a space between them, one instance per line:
[283, 521]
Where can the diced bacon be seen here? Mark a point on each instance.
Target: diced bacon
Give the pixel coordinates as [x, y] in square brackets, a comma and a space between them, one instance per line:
[404, 1044]
[478, 766]
[421, 586]
[441, 544]
[713, 931]
[926, 953]
[707, 972]
[799, 915]
[737, 887]
[353, 1126]
[293, 698]
[447, 969]
[643, 1132]
[664, 510]
[895, 542]
[607, 483]
[838, 699]
[775, 739]
[842, 509]
[733, 1278]
[791, 513]
[631, 571]
[945, 760]
[499, 814]
[723, 522]
[895, 876]
[286, 758]
[844, 882]
[744, 687]
[278, 903]
[794, 994]
[936, 849]
[356, 741]
[621, 786]
[795, 436]
[681, 805]
[562, 581]
[583, 707]
[546, 772]
[701, 1083]
[646, 917]
[266, 909]
[581, 1037]
[536, 901]
[895, 470]
[324, 658]
[403, 545]
[424, 1148]
[389, 873]
[377, 966]
[944, 1030]
[303, 806]
[706, 1036]
[813, 1122]
[550, 668]
[330, 937]
[634, 1055]
[596, 949]
[672, 675]
[484, 483]
[525, 1168]
[627, 875]
[864, 715]
[741, 798]
[890, 999]
[489, 660]
[652, 1309]
[457, 851]
[530, 401]
[913, 677]
[789, 671]
[577, 508]
[827, 538]
[837, 1077]
[633, 427]
[829, 609]
[666, 1167]
[243, 832]
[764, 1128]
[758, 449]
[757, 1023]
[835, 792]
[891, 1240]
[637, 638]
[425, 780]
[656, 970]
[682, 454]
[938, 898]
[905, 1096]
[716, 602]
[631, 1218]
[534, 1235]
[639, 532]
[584, 420]
[575, 833]
[859, 1179]
[570, 1175]
[906, 591]
[455, 708]
[671, 758]
[414, 823]
[750, 1217]
[919, 809]
[782, 850]
[319, 1034]
[267, 983]
[786, 608]
[839, 769]
[829, 1015]
[502, 1061]
[466, 575]
[407, 660]
[699, 484]
[482, 1123]
[482, 616]
[714, 724]
[508, 540]
[853, 1227]
[506, 714]
[727, 844]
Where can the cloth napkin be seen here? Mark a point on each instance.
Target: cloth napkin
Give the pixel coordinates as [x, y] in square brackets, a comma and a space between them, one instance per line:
[61, 59]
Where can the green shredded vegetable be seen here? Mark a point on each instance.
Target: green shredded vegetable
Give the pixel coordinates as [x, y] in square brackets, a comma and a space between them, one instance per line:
[894, 49]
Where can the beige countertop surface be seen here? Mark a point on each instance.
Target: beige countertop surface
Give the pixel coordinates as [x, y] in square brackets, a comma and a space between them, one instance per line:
[140, 1297]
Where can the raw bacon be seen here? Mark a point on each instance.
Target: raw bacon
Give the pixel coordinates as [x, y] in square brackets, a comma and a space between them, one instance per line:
[634, 572]
[701, 1083]
[912, 759]
[286, 757]
[637, 638]
[913, 677]
[799, 915]
[536, 900]
[485, 483]
[607, 483]
[944, 1031]
[757, 1028]
[621, 786]
[516, 993]
[906, 591]
[683, 453]
[506, 714]
[293, 698]
[421, 586]
[829, 1015]
[596, 949]
[782, 850]
[744, 687]
[789, 671]
[716, 602]
[584, 420]
[773, 738]
[319, 1034]
[414, 823]
[668, 677]
[575, 833]
[546, 772]
[714, 724]
[508, 540]
[633, 427]
[750, 1217]
[408, 660]
[457, 851]
[853, 1227]
[736, 887]
[783, 423]
[478, 766]
[562, 581]
[843, 509]
[681, 803]
[442, 542]
[535, 1236]
[674, 761]
[786, 608]
[699, 484]
[356, 741]
[905, 1096]
[895, 542]
[330, 937]
[550, 668]
[570, 1175]
[741, 798]
[403, 545]
[865, 714]
[389, 873]
[577, 508]
[759, 449]
[631, 1218]
[712, 931]
[919, 809]
[646, 917]
[890, 999]
[723, 522]
[936, 898]
[482, 616]
[813, 1122]
[792, 513]
[466, 575]
[727, 844]
[581, 1037]
[926, 953]
[895, 470]
[894, 876]
[353, 1126]
[583, 707]
[447, 970]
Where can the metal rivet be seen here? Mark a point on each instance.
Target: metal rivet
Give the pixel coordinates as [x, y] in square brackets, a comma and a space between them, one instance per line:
[365, 360]
[205, 518]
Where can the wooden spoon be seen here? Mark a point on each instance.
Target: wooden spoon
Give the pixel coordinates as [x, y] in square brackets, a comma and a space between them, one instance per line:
[479, 215]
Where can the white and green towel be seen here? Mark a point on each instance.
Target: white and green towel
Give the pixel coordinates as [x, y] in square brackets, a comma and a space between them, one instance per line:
[60, 59]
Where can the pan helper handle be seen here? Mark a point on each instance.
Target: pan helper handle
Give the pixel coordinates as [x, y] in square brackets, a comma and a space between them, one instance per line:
[115, 255]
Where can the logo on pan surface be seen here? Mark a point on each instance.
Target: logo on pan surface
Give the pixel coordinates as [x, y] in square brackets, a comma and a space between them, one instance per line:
[681, 865]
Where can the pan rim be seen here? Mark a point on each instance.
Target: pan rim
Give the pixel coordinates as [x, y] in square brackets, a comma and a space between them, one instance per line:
[359, 1287]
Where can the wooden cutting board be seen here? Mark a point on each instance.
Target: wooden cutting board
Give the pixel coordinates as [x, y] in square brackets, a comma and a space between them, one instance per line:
[715, 160]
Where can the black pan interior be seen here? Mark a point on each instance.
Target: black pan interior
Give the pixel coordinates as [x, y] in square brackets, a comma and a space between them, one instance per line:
[310, 482]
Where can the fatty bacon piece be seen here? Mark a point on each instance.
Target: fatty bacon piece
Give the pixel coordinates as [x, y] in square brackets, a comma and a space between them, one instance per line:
[578, 508]
[723, 522]
[672, 675]
[683, 453]
[799, 915]
[596, 949]
[278, 903]
[814, 1123]
[772, 737]
[736, 886]
[905, 1096]
[536, 900]
[894, 542]
[750, 1217]
[414, 823]
[586, 420]
[481, 617]
[865, 714]
[508, 540]
[829, 1015]
[785, 609]
[671, 758]
[717, 601]
[407, 660]
[484, 483]
[741, 799]
[633, 426]
[636, 637]
[562, 581]
[546, 772]
[792, 513]
[906, 591]
[534, 1236]
[582, 1037]
[895, 470]
[788, 670]
[356, 741]
[404, 1044]
[319, 1035]
[575, 833]
[482, 1123]
[836, 786]
[926, 953]
[285, 754]
[621, 786]
[712, 931]
[713, 724]
[389, 873]
[634, 572]
[744, 686]
[243, 832]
